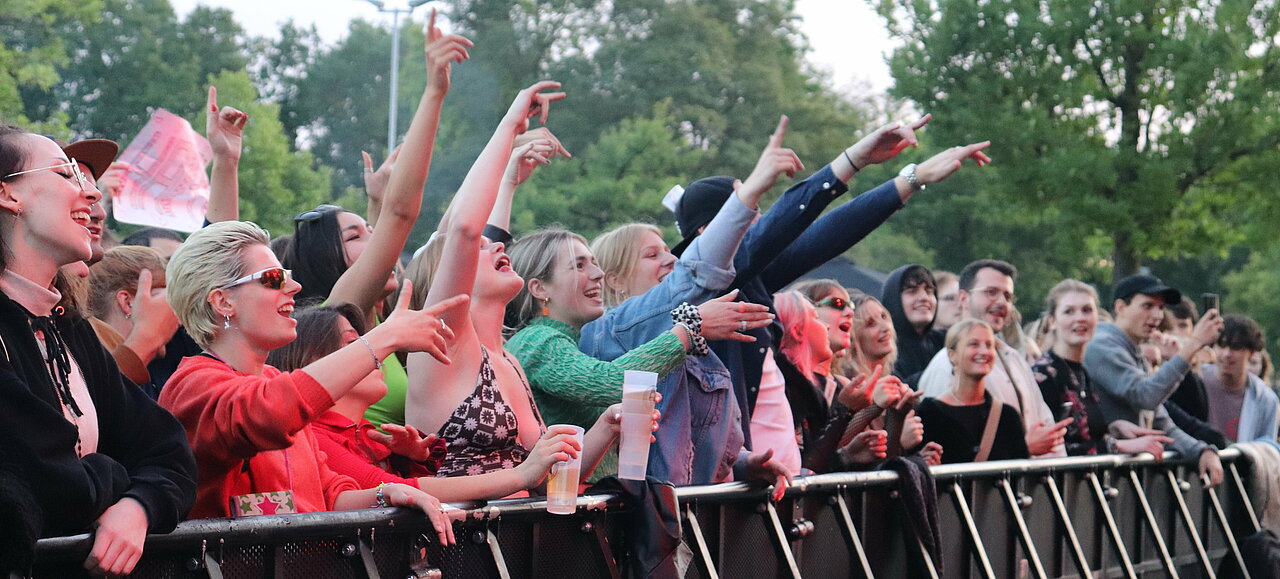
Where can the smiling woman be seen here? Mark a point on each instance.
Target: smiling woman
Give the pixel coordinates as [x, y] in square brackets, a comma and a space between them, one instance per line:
[126, 472]
[245, 419]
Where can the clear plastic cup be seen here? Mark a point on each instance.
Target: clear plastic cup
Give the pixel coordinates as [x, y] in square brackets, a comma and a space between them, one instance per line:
[639, 389]
[562, 481]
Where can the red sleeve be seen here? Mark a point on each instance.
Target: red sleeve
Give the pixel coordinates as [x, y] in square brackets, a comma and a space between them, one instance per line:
[343, 460]
[231, 416]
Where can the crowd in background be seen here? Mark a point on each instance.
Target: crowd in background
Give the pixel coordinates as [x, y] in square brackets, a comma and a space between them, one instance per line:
[227, 373]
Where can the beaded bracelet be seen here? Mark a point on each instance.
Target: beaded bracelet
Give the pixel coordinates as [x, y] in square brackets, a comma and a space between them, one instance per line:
[376, 361]
[689, 317]
[380, 500]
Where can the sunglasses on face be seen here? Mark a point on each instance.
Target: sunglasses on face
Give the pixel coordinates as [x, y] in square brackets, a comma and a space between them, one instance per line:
[270, 278]
[316, 213]
[835, 303]
[76, 174]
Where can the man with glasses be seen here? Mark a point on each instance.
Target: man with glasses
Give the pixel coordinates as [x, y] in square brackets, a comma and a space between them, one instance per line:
[1127, 388]
[986, 293]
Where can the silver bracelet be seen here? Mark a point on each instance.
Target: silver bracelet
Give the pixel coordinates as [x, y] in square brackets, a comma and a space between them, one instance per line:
[376, 361]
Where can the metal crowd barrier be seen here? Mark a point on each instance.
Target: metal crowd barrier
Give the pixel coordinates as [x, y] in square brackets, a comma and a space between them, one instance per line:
[1108, 516]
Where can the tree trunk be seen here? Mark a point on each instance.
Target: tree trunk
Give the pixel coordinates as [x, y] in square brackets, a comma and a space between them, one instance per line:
[1124, 257]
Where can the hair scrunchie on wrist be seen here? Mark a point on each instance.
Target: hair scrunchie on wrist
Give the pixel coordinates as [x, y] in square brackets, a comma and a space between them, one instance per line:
[689, 317]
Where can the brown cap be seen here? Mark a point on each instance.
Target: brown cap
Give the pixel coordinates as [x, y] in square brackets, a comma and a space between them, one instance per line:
[98, 154]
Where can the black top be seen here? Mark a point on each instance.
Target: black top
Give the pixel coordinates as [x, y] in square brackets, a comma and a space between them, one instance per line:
[959, 430]
[1064, 382]
[142, 450]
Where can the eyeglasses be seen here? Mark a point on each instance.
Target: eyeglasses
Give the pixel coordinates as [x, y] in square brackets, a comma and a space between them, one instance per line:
[834, 302]
[316, 213]
[270, 278]
[76, 174]
[995, 293]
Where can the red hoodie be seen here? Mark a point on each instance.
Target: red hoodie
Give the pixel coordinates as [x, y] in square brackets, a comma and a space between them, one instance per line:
[249, 434]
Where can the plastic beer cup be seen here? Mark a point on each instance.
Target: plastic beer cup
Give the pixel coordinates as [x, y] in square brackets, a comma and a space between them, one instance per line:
[638, 392]
[562, 481]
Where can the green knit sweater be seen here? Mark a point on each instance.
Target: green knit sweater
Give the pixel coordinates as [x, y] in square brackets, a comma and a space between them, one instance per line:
[573, 388]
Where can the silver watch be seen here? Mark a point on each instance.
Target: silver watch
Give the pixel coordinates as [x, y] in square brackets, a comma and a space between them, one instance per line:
[909, 173]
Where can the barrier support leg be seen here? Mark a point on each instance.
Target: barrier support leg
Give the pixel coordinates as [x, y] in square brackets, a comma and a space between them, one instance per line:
[979, 549]
[1112, 529]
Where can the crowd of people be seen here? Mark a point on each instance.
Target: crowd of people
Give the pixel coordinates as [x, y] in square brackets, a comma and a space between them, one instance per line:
[230, 374]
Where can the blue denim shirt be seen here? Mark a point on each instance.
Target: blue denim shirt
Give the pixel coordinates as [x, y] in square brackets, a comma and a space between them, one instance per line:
[701, 428]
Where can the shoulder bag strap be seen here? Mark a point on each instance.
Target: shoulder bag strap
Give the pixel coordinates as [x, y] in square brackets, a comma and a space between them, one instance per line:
[989, 431]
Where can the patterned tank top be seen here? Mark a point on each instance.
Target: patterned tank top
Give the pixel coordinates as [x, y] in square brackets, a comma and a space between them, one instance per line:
[482, 433]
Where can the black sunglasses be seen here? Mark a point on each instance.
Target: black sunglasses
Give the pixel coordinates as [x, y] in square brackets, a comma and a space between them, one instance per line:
[316, 213]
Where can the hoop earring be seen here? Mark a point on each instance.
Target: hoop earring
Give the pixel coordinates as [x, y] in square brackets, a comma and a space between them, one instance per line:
[546, 311]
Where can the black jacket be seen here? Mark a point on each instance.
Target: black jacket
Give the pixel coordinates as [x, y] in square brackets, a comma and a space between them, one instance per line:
[915, 349]
[142, 450]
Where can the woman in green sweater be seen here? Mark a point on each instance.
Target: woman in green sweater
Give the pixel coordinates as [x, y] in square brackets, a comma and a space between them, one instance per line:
[563, 292]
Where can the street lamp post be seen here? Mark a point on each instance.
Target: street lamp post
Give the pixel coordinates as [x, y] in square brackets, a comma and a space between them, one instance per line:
[392, 127]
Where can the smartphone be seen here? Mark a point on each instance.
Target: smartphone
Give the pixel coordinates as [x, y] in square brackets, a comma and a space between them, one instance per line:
[1066, 409]
[1209, 302]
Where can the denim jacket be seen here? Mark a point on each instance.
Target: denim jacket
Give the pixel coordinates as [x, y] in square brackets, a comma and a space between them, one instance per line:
[701, 427]
[789, 241]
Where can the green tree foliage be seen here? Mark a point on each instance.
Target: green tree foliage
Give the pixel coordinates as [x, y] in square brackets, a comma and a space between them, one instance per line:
[137, 57]
[31, 50]
[1122, 126]
[621, 178]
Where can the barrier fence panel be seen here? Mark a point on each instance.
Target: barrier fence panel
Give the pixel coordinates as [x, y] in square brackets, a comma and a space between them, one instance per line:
[1107, 516]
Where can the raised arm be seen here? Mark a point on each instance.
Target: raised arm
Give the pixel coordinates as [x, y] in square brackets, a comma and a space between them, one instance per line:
[375, 182]
[475, 199]
[224, 127]
[362, 284]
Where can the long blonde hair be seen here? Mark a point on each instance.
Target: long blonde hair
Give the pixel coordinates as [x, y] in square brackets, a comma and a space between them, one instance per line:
[858, 300]
[617, 252]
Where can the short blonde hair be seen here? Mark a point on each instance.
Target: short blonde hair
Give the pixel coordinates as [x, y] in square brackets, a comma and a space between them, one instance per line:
[208, 260]
[118, 270]
[617, 252]
[954, 333]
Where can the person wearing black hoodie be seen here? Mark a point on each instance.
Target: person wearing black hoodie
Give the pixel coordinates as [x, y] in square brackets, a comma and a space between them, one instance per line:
[910, 295]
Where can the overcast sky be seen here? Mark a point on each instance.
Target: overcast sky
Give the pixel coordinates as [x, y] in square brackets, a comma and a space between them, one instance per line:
[848, 38]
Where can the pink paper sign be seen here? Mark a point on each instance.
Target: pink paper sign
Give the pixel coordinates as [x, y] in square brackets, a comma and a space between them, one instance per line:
[164, 182]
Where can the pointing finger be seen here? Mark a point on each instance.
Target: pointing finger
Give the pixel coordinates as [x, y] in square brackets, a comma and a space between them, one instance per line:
[213, 99]
[919, 124]
[775, 140]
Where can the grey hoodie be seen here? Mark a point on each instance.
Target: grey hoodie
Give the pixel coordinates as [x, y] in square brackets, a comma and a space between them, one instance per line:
[1116, 366]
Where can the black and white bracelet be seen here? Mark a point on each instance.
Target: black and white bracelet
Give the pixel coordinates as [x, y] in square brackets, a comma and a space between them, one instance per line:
[689, 317]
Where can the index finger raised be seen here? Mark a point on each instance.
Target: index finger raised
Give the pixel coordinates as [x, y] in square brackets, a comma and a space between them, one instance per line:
[775, 140]
[213, 99]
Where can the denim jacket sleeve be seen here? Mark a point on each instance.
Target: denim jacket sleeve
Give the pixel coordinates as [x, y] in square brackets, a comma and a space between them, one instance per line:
[832, 234]
[642, 318]
[785, 220]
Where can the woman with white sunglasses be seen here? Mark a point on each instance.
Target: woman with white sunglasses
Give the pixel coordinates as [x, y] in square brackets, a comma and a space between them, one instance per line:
[90, 449]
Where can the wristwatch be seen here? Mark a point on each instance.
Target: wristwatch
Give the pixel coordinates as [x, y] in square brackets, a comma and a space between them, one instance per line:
[909, 173]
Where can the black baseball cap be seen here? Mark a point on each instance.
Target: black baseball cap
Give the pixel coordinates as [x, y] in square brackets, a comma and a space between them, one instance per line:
[1144, 284]
[700, 203]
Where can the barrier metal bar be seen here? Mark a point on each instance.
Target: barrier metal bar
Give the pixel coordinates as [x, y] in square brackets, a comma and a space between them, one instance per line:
[1014, 509]
[1244, 497]
[1116, 539]
[1176, 487]
[780, 539]
[1141, 493]
[499, 562]
[979, 549]
[1226, 530]
[1068, 529]
[845, 520]
[700, 543]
